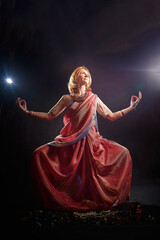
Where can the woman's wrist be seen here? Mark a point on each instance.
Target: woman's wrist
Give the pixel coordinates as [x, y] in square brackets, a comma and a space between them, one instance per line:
[134, 104]
[126, 111]
[29, 113]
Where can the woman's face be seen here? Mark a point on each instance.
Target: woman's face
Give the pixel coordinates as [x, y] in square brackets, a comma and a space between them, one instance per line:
[83, 77]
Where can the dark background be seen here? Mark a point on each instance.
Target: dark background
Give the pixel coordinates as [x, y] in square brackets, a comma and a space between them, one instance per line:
[41, 43]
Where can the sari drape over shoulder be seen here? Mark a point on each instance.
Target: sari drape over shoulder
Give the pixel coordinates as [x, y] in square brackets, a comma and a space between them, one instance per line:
[80, 170]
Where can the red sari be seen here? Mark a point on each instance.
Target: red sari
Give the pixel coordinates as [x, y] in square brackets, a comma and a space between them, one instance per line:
[80, 170]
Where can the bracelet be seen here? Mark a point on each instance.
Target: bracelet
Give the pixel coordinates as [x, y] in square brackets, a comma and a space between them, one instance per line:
[134, 105]
[122, 113]
[29, 113]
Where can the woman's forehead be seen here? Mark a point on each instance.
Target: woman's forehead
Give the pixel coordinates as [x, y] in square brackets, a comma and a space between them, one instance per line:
[83, 70]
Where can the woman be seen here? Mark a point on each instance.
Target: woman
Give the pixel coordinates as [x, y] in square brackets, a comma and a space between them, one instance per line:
[80, 170]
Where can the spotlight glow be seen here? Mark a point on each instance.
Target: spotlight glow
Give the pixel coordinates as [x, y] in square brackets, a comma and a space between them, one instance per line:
[9, 80]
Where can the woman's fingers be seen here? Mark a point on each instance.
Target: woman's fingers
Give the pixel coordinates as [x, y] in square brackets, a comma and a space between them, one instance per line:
[17, 100]
[21, 103]
[134, 98]
[140, 95]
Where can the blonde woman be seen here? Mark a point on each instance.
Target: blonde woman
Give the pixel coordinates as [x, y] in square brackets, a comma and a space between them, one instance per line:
[80, 170]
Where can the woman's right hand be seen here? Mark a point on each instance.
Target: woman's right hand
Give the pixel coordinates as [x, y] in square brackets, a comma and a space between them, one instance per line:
[22, 104]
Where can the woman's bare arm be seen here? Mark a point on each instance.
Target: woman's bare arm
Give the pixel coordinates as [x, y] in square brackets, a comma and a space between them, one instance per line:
[119, 114]
[53, 112]
[107, 113]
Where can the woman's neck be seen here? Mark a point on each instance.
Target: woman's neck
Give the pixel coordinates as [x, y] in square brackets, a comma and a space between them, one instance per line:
[81, 90]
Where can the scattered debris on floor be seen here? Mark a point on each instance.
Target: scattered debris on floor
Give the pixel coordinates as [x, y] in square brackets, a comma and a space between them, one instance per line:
[127, 214]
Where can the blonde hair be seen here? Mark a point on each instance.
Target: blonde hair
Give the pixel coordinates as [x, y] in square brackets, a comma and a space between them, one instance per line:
[73, 83]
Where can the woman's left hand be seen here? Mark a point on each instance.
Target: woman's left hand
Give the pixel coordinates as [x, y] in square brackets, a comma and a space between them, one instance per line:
[135, 100]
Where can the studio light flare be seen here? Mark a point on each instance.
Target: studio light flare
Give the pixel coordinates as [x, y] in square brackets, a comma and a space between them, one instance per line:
[9, 80]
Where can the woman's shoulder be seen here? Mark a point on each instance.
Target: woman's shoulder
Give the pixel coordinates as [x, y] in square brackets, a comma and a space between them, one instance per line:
[67, 99]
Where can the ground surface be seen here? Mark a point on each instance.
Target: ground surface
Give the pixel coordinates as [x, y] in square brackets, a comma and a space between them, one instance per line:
[132, 220]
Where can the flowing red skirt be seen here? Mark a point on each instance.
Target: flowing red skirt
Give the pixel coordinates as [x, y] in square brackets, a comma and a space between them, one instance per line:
[92, 174]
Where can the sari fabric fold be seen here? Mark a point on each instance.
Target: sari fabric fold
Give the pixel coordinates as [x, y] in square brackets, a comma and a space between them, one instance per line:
[80, 170]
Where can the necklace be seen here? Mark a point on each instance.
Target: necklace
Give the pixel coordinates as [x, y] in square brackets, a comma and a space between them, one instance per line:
[80, 98]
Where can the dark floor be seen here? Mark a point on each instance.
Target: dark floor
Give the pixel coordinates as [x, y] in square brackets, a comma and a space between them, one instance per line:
[132, 220]
[138, 218]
